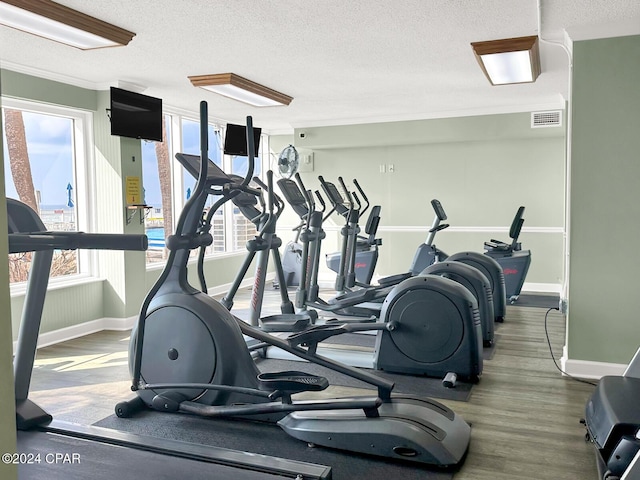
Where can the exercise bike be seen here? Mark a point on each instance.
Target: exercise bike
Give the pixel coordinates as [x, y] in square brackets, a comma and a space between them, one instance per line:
[188, 354]
[514, 261]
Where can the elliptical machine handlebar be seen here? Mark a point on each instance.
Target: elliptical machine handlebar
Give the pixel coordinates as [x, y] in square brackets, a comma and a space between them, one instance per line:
[276, 201]
[357, 202]
[363, 195]
[307, 197]
[250, 151]
[321, 200]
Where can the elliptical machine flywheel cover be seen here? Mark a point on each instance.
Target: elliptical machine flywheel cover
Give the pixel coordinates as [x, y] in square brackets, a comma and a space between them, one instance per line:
[178, 348]
[428, 312]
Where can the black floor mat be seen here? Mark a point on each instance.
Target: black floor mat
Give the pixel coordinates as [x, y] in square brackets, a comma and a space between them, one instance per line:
[269, 439]
[368, 342]
[406, 384]
[536, 300]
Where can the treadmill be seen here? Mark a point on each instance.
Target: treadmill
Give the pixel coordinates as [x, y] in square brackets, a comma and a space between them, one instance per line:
[60, 450]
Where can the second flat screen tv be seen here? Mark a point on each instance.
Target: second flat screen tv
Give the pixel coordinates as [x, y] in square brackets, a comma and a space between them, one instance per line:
[235, 140]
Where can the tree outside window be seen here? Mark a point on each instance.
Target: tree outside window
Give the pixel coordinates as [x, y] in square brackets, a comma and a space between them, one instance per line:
[156, 179]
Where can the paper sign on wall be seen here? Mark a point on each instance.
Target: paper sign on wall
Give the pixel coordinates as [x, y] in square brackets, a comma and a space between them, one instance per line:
[133, 190]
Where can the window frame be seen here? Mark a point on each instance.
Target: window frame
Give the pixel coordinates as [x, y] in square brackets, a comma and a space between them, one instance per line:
[177, 181]
[84, 176]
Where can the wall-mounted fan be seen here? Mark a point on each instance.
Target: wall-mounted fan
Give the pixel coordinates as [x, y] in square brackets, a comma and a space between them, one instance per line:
[288, 162]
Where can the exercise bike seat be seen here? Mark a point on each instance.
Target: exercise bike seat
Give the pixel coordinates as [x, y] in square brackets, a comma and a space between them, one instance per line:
[394, 279]
[292, 381]
[355, 297]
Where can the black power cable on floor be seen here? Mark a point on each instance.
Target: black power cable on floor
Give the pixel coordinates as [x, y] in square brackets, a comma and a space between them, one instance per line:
[546, 331]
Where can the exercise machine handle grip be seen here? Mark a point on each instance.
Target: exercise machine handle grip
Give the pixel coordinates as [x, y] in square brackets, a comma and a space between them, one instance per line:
[305, 192]
[26, 242]
[321, 200]
[363, 195]
[250, 151]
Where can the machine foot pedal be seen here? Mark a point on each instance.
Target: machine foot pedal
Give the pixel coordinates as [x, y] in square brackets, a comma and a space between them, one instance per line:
[292, 382]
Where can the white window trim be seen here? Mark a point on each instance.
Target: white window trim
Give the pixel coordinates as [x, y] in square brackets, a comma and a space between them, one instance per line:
[178, 201]
[84, 180]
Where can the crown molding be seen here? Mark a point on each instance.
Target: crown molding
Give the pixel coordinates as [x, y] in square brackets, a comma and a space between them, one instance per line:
[56, 77]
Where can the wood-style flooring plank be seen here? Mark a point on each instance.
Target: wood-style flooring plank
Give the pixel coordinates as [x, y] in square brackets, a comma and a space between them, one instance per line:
[524, 413]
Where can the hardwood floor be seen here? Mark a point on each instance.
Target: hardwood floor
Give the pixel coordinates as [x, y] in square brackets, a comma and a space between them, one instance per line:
[524, 413]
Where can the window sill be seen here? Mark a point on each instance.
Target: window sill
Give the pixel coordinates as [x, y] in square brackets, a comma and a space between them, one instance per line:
[20, 289]
[192, 261]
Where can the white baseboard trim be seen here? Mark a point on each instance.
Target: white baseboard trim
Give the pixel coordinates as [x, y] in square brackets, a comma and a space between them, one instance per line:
[120, 324]
[328, 280]
[588, 369]
[87, 328]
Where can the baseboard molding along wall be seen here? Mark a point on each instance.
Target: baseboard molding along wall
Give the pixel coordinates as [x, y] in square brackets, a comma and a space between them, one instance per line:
[120, 324]
[588, 369]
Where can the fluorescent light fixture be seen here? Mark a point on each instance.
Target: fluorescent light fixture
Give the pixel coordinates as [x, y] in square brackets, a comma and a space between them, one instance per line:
[512, 60]
[56, 22]
[238, 88]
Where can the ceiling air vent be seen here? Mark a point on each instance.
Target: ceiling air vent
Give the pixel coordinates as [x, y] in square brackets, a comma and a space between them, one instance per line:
[546, 119]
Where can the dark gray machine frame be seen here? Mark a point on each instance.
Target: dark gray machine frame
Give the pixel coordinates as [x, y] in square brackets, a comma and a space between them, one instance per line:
[514, 261]
[492, 270]
[612, 419]
[478, 284]
[188, 354]
[427, 253]
[39, 433]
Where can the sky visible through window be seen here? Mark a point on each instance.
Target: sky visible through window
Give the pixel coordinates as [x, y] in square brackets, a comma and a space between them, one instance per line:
[50, 147]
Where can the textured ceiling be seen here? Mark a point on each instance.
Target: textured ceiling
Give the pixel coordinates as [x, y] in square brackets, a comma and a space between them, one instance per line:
[354, 61]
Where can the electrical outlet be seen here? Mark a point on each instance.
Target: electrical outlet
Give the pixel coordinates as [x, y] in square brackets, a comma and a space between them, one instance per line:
[563, 305]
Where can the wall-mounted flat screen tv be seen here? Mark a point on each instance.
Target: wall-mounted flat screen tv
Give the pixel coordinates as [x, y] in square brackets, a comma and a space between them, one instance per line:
[235, 140]
[135, 115]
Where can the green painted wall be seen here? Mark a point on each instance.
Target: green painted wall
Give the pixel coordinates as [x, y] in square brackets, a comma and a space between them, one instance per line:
[604, 201]
[481, 169]
[64, 307]
[7, 397]
[19, 85]
[115, 159]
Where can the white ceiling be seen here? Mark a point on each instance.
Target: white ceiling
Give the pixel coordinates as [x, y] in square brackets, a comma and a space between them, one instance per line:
[343, 61]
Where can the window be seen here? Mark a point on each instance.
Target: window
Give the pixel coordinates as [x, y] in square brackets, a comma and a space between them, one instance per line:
[230, 229]
[44, 161]
[191, 145]
[156, 179]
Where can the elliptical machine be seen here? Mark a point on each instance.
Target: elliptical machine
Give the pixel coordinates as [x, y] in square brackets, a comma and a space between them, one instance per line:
[265, 242]
[188, 354]
[355, 263]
